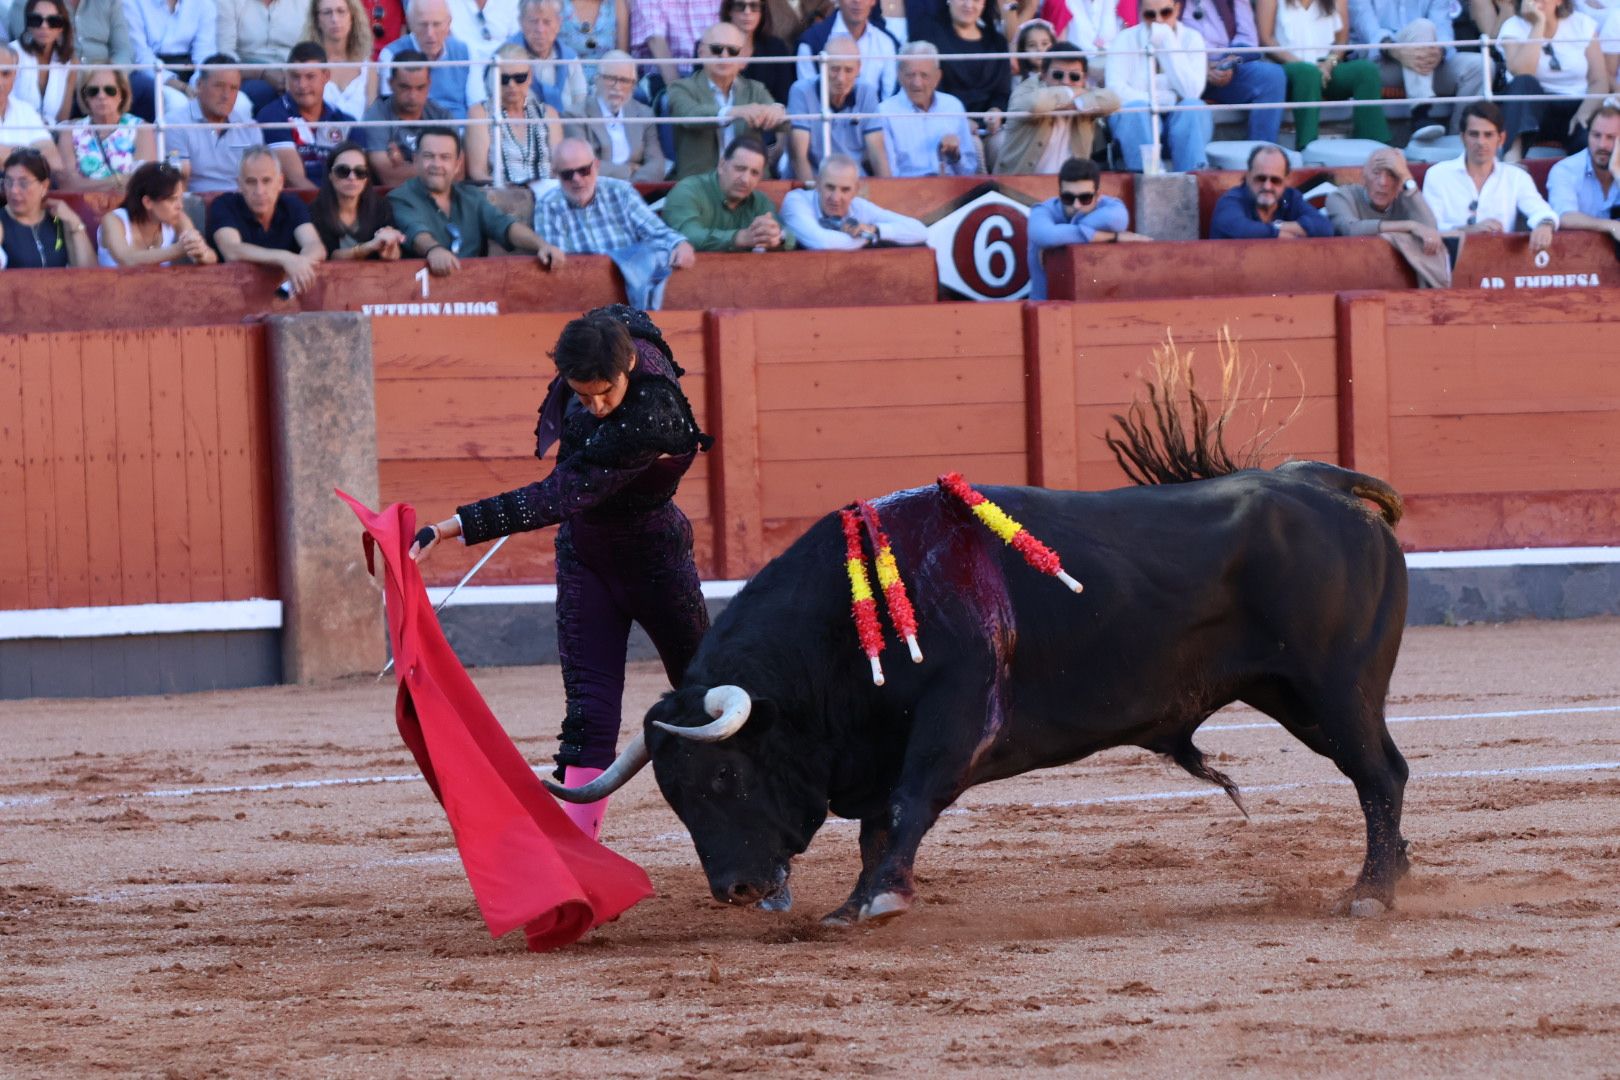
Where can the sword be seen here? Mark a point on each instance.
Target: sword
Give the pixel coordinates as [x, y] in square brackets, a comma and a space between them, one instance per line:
[477, 566]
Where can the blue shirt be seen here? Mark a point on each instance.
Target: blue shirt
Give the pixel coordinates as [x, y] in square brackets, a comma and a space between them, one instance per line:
[191, 28]
[1050, 226]
[1235, 217]
[456, 88]
[912, 136]
[848, 136]
[1572, 187]
[284, 127]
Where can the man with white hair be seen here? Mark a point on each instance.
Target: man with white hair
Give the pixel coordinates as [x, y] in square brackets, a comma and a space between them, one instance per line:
[625, 150]
[833, 217]
[460, 89]
[718, 90]
[261, 223]
[562, 86]
[20, 123]
[925, 130]
[861, 140]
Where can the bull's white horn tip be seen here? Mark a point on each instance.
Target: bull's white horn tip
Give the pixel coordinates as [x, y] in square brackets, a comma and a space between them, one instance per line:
[1069, 581]
[877, 672]
[916, 650]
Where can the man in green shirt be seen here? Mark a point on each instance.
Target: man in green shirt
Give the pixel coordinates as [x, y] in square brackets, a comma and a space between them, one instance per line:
[724, 210]
[445, 222]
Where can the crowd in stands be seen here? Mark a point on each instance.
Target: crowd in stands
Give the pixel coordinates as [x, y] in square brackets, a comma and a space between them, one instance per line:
[912, 88]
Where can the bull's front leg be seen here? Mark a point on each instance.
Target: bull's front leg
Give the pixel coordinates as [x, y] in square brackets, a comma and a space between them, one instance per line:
[874, 845]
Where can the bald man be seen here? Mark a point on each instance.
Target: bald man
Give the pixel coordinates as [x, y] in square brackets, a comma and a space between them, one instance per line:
[737, 106]
[860, 140]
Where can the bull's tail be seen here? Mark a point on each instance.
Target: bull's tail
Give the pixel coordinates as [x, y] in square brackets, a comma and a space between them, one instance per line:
[1186, 754]
[1354, 484]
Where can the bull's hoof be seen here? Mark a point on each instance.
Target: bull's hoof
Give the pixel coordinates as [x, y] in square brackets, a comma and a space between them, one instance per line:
[885, 906]
[844, 916]
[780, 900]
[1367, 908]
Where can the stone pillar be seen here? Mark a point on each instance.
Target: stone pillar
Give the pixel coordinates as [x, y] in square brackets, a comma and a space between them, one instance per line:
[1167, 206]
[323, 420]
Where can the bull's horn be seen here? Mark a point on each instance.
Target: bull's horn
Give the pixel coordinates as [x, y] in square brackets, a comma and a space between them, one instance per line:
[729, 705]
[627, 764]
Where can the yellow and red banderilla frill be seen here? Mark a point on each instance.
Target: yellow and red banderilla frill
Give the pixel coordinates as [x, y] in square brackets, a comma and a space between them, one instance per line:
[1036, 554]
[863, 603]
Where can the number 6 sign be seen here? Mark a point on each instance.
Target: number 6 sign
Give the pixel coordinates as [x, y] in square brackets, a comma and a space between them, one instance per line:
[982, 247]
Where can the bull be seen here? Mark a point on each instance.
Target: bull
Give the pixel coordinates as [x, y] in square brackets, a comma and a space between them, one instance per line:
[1284, 589]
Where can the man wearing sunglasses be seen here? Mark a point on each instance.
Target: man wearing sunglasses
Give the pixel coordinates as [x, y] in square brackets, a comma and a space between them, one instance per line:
[719, 92]
[625, 149]
[1264, 207]
[1079, 215]
[1176, 75]
[1066, 112]
[1478, 193]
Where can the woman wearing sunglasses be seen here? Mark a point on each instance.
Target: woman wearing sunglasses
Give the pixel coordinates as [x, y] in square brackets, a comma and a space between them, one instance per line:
[100, 30]
[1551, 49]
[151, 227]
[102, 148]
[43, 53]
[353, 221]
[753, 18]
[526, 129]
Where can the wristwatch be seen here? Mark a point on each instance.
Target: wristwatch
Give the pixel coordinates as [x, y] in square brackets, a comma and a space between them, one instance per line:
[1409, 186]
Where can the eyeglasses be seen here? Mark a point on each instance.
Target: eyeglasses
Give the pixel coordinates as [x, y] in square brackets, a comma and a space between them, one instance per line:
[1162, 13]
[1084, 198]
[1269, 181]
[520, 78]
[1473, 213]
[568, 175]
[723, 50]
[747, 5]
[344, 172]
[94, 90]
[1552, 57]
[616, 80]
[1066, 76]
[55, 22]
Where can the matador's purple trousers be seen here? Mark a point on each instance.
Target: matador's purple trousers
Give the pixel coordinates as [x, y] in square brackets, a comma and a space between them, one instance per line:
[609, 575]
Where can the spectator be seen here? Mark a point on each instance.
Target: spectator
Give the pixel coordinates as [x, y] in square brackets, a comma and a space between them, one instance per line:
[1487, 17]
[409, 110]
[594, 28]
[343, 29]
[484, 25]
[1609, 41]
[1423, 69]
[212, 159]
[669, 30]
[723, 210]
[878, 47]
[151, 228]
[753, 19]
[101, 149]
[739, 106]
[1477, 193]
[20, 123]
[1388, 203]
[562, 86]
[526, 129]
[1091, 25]
[43, 53]
[833, 217]
[353, 221]
[982, 86]
[1300, 34]
[625, 151]
[178, 35]
[1080, 214]
[1264, 206]
[299, 125]
[1581, 188]
[1551, 48]
[587, 213]
[1238, 78]
[791, 18]
[445, 222]
[861, 140]
[261, 32]
[100, 30]
[1066, 112]
[36, 231]
[1034, 36]
[1177, 75]
[260, 223]
[924, 129]
[459, 88]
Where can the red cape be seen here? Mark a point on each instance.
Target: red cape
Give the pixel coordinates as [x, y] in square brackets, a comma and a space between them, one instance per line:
[528, 865]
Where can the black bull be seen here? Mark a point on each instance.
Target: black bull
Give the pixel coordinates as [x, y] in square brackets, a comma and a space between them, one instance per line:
[1281, 589]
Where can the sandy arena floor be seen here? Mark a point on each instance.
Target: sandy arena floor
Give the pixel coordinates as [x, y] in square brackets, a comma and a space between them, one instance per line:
[151, 928]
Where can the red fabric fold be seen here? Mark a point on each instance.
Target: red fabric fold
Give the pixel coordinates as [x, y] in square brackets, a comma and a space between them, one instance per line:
[527, 863]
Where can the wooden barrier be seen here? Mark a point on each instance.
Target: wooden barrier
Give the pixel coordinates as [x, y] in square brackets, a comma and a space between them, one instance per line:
[135, 468]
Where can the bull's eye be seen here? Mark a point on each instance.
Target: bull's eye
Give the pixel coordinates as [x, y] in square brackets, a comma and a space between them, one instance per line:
[724, 781]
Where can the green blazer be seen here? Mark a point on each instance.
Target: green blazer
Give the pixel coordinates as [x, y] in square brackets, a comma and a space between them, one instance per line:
[697, 146]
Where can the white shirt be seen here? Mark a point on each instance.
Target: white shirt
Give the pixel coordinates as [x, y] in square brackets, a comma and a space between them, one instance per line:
[613, 128]
[120, 216]
[1093, 25]
[1507, 192]
[21, 124]
[350, 99]
[877, 57]
[191, 28]
[484, 35]
[1575, 32]
[801, 213]
[1183, 72]
[26, 87]
[1306, 31]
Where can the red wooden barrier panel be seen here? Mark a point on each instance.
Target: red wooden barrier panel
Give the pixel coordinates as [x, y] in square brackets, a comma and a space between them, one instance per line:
[136, 465]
